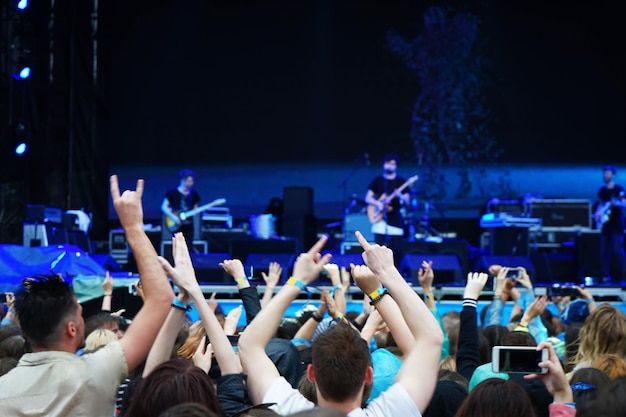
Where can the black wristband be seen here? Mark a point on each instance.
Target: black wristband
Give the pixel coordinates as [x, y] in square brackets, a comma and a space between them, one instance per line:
[316, 317]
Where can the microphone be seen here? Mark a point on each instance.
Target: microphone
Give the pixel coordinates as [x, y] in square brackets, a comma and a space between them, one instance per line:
[366, 158]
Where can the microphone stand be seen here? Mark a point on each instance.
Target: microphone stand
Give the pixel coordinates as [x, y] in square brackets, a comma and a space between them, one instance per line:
[344, 183]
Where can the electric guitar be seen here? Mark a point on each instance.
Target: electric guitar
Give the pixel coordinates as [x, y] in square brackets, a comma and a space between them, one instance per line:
[173, 227]
[374, 214]
[604, 211]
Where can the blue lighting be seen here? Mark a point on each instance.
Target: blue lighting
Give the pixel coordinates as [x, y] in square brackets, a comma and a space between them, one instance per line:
[25, 73]
[22, 4]
[20, 149]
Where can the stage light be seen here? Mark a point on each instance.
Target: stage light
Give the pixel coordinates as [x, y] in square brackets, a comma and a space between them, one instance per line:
[22, 4]
[24, 73]
[20, 149]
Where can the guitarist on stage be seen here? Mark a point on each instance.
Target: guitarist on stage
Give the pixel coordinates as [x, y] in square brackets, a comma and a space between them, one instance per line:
[611, 218]
[388, 225]
[181, 199]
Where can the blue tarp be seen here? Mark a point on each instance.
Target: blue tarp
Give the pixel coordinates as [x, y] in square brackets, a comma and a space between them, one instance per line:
[18, 262]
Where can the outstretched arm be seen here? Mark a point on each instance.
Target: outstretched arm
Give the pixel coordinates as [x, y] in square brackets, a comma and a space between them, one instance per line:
[271, 280]
[418, 374]
[259, 367]
[156, 289]
[184, 271]
[468, 356]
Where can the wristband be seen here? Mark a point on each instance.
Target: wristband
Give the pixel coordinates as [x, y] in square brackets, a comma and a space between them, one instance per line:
[108, 295]
[295, 282]
[179, 305]
[589, 301]
[377, 293]
[241, 280]
[338, 318]
[377, 299]
[429, 296]
[316, 317]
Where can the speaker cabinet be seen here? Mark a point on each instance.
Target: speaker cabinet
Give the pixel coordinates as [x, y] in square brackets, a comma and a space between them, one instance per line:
[208, 269]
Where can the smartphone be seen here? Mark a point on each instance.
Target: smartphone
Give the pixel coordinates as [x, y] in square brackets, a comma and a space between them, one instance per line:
[563, 291]
[518, 359]
[514, 273]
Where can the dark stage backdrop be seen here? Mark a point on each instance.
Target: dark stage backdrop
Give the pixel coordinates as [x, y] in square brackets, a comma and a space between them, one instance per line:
[202, 81]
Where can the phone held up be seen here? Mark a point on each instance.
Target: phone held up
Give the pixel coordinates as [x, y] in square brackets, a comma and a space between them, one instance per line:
[518, 359]
[514, 273]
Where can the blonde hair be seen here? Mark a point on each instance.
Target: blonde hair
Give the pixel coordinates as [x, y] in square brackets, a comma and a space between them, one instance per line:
[188, 349]
[604, 332]
[99, 338]
[612, 365]
[448, 363]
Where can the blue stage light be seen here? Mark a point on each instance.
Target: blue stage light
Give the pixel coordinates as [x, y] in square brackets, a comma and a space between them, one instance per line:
[22, 4]
[20, 149]
[25, 73]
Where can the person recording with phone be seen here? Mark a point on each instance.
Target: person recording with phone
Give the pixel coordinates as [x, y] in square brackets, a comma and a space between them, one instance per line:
[609, 219]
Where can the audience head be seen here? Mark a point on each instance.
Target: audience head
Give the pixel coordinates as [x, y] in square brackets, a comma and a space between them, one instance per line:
[13, 347]
[585, 382]
[608, 401]
[495, 398]
[612, 365]
[99, 338]
[103, 320]
[188, 410]
[171, 383]
[518, 339]
[572, 341]
[341, 363]
[576, 311]
[604, 332]
[447, 398]
[48, 311]
[6, 364]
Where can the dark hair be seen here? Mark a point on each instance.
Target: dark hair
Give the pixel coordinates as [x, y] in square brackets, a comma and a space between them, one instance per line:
[13, 347]
[319, 412]
[188, 410]
[340, 360]
[6, 364]
[391, 157]
[610, 168]
[185, 173]
[585, 382]
[171, 383]
[608, 401]
[495, 397]
[446, 375]
[42, 302]
[494, 333]
[518, 339]
[98, 320]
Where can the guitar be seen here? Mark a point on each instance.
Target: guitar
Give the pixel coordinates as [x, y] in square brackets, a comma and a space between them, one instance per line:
[604, 211]
[374, 214]
[173, 227]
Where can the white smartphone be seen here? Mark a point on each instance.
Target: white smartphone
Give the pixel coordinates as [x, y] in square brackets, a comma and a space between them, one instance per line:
[518, 359]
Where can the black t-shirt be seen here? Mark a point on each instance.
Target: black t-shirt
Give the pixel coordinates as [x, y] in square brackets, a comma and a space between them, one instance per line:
[179, 202]
[380, 185]
[615, 224]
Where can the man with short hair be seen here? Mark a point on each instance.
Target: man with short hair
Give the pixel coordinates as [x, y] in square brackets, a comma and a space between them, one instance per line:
[53, 381]
[341, 367]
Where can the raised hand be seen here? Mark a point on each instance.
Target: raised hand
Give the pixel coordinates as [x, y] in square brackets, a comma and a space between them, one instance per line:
[365, 278]
[535, 309]
[501, 281]
[212, 302]
[234, 268]
[128, 204]
[333, 273]
[202, 358]
[525, 278]
[584, 293]
[107, 284]
[475, 284]
[309, 265]
[378, 258]
[426, 276]
[345, 279]
[232, 320]
[330, 304]
[555, 380]
[273, 275]
[183, 274]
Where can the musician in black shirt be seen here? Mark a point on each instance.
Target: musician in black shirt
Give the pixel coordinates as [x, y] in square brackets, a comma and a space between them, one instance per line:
[610, 219]
[179, 200]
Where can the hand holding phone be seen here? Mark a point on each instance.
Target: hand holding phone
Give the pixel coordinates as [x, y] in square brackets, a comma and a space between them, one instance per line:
[518, 359]
[514, 273]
